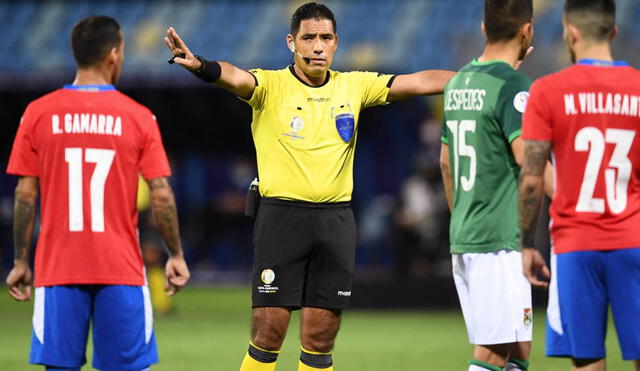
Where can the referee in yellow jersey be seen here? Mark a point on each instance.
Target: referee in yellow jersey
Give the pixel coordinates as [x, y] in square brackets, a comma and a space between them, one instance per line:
[305, 121]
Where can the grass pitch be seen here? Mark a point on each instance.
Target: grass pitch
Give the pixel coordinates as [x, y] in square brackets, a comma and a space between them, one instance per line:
[209, 331]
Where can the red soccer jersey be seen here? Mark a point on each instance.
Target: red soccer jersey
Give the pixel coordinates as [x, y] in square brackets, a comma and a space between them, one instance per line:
[591, 114]
[87, 146]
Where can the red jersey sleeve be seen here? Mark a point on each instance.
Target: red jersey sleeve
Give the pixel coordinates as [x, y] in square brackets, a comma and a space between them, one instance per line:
[24, 158]
[153, 161]
[537, 123]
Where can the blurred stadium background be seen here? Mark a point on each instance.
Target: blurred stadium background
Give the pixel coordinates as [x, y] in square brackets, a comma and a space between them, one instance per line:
[402, 259]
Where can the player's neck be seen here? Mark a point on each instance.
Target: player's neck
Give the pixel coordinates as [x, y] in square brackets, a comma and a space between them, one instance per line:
[600, 51]
[308, 79]
[507, 52]
[92, 76]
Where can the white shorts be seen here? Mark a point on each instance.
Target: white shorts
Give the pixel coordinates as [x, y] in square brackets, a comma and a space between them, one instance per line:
[495, 297]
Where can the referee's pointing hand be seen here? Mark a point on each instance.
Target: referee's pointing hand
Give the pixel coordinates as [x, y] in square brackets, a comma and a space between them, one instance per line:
[181, 54]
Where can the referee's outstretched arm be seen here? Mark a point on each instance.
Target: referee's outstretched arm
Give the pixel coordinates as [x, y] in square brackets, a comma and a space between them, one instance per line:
[427, 82]
[420, 83]
[222, 74]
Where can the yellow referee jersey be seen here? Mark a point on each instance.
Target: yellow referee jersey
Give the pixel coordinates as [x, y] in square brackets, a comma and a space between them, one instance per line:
[305, 136]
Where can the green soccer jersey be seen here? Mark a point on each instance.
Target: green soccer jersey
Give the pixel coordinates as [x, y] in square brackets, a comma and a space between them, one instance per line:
[483, 106]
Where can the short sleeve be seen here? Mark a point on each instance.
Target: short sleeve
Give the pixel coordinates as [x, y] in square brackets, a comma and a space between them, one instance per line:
[512, 102]
[153, 160]
[443, 134]
[258, 99]
[537, 119]
[375, 88]
[24, 157]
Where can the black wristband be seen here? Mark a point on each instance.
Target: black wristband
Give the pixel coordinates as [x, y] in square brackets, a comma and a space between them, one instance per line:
[209, 71]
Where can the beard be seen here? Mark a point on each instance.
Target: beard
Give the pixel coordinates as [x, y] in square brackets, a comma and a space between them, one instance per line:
[523, 52]
[524, 48]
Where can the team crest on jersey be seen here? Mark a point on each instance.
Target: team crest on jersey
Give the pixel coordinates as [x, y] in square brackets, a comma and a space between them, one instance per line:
[345, 121]
[528, 317]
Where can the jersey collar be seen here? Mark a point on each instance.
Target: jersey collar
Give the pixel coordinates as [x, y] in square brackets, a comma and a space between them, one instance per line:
[476, 62]
[293, 72]
[89, 87]
[602, 63]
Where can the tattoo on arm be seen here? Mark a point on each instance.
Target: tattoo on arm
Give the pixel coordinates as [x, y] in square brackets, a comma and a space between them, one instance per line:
[24, 217]
[166, 213]
[531, 188]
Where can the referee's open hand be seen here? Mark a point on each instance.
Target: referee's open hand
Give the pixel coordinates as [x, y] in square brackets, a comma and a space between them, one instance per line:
[181, 54]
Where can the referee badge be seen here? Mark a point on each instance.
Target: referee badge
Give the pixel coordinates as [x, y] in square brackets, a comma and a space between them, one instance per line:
[345, 122]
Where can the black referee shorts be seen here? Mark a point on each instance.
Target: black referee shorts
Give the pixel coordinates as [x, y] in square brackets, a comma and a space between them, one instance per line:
[304, 254]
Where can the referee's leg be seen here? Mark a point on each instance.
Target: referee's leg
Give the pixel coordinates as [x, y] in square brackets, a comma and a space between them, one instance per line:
[268, 329]
[318, 330]
[328, 287]
[282, 240]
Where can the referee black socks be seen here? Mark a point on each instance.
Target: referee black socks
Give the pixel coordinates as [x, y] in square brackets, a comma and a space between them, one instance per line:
[310, 361]
[258, 359]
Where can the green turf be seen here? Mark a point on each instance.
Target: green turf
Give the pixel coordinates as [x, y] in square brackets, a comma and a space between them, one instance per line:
[209, 332]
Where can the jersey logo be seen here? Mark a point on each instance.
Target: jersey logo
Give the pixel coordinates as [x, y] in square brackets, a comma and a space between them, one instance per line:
[345, 121]
[520, 101]
[297, 123]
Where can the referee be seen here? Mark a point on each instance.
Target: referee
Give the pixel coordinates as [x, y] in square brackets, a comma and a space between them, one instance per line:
[305, 120]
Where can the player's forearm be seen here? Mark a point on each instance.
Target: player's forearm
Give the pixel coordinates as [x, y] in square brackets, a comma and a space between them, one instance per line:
[531, 188]
[166, 214]
[548, 180]
[448, 190]
[24, 216]
[530, 193]
[445, 170]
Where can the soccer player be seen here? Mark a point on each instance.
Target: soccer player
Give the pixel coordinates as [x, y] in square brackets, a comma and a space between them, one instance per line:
[82, 147]
[480, 158]
[305, 120]
[587, 117]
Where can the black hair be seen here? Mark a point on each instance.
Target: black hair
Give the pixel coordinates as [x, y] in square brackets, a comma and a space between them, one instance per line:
[596, 19]
[311, 11]
[93, 38]
[503, 18]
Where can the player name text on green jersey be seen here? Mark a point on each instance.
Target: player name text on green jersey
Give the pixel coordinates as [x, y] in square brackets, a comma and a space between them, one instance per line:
[465, 99]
